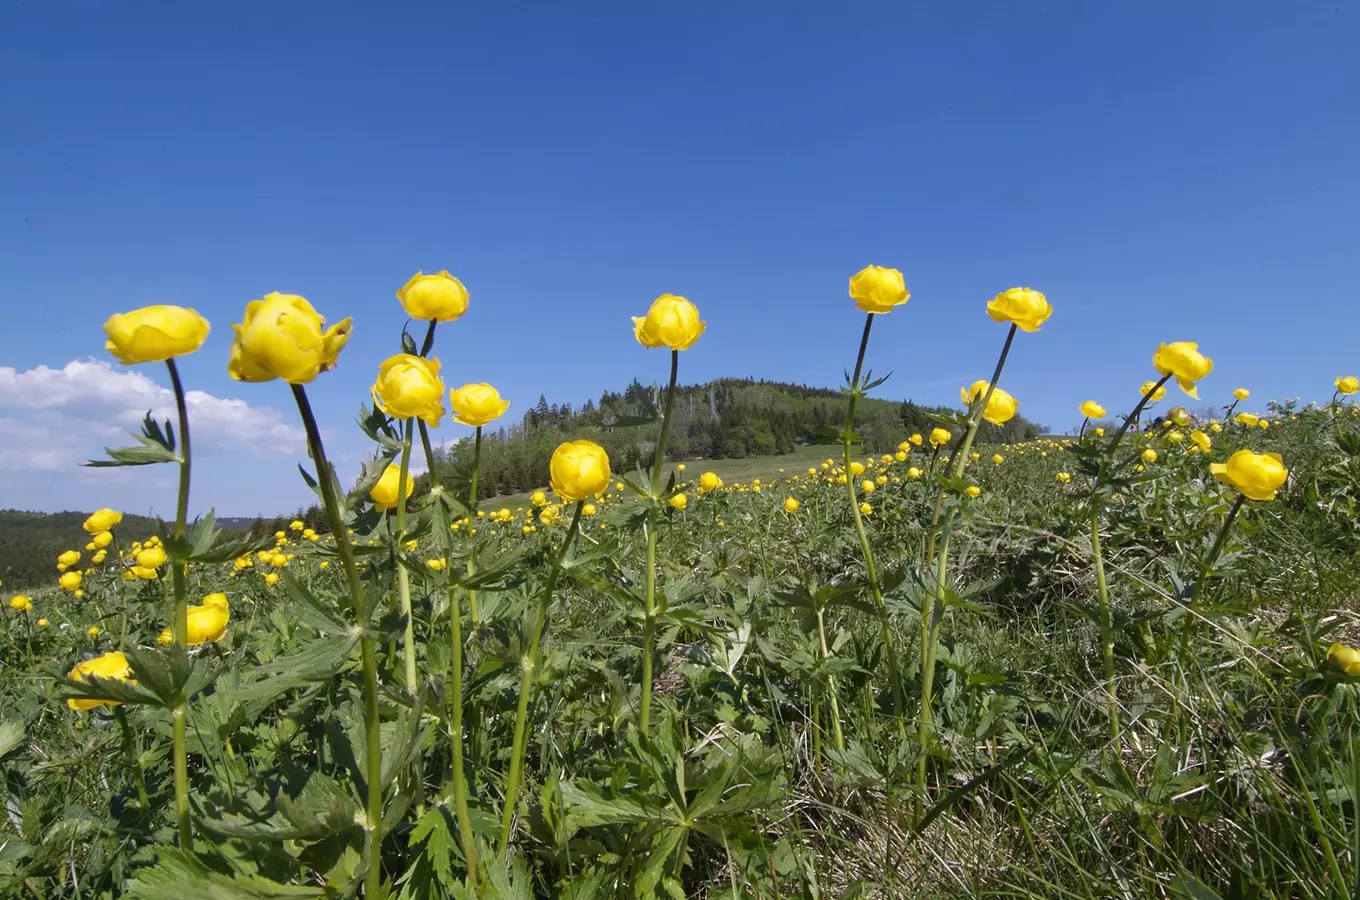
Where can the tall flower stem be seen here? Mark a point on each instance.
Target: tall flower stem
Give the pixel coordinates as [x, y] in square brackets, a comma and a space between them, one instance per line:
[930, 621]
[885, 625]
[1098, 560]
[367, 645]
[830, 683]
[472, 511]
[649, 591]
[404, 577]
[1210, 558]
[130, 751]
[527, 666]
[460, 798]
[180, 618]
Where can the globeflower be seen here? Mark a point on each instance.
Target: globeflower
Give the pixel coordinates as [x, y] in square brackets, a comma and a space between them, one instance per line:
[939, 437]
[1241, 393]
[20, 603]
[709, 481]
[409, 386]
[111, 665]
[69, 581]
[384, 494]
[1149, 455]
[477, 404]
[207, 623]
[154, 334]
[439, 297]
[102, 539]
[1201, 440]
[1250, 420]
[791, 505]
[102, 520]
[69, 558]
[1347, 384]
[866, 508]
[1257, 476]
[1344, 659]
[579, 469]
[1183, 360]
[679, 501]
[1092, 410]
[1179, 416]
[1157, 394]
[282, 336]
[670, 322]
[876, 289]
[1063, 478]
[1001, 406]
[151, 558]
[973, 491]
[1027, 309]
[914, 473]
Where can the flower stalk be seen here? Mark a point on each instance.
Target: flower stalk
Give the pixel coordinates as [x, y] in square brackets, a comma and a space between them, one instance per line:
[527, 667]
[403, 576]
[472, 511]
[871, 568]
[134, 763]
[179, 619]
[367, 644]
[649, 588]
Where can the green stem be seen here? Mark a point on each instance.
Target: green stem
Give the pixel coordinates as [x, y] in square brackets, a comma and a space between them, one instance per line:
[180, 619]
[403, 576]
[527, 666]
[472, 513]
[830, 684]
[367, 646]
[930, 620]
[1190, 620]
[130, 751]
[885, 625]
[649, 592]
[1106, 632]
[460, 792]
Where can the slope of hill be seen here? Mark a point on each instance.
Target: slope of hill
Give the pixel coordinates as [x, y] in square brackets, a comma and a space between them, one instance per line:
[31, 541]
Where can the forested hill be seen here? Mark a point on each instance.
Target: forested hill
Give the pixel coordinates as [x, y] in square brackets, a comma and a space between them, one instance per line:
[721, 419]
[30, 543]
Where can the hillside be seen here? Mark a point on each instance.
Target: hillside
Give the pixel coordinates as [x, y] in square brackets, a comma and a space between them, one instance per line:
[724, 419]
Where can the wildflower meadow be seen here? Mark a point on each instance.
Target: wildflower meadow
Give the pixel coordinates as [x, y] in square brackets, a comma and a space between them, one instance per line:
[1116, 663]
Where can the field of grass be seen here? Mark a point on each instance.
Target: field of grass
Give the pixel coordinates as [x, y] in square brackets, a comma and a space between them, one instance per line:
[1119, 665]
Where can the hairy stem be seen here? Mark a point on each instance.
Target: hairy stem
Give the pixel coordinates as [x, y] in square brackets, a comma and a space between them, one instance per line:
[180, 619]
[649, 592]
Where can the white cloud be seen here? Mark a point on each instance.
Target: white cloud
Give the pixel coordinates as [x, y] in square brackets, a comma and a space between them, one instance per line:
[52, 420]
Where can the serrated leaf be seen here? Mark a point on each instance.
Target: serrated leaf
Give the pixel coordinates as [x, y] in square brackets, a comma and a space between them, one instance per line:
[11, 736]
[154, 445]
[179, 875]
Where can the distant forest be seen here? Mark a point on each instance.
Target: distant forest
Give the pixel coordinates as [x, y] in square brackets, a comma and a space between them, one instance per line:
[722, 419]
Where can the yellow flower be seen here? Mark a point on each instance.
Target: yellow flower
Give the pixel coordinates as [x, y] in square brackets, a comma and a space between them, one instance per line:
[916, 440]
[1000, 407]
[939, 437]
[111, 665]
[1092, 410]
[384, 493]
[1241, 393]
[709, 482]
[439, 297]
[1100, 432]
[271, 579]
[856, 468]
[1063, 478]
[102, 540]
[69, 581]
[550, 514]
[579, 469]
[409, 386]
[207, 624]
[151, 558]
[20, 603]
[791, 504]
[165, 638]
[1026, 308]
[589, 509]
[670, 322]
[1263, 424]
[680, 467]
[1179, 416]
[93, 631]
[1247, 419]
[1344, 659]
[477, 404]
[437, 565]
[867, 486]
[1347, 384]
[876, 289]
[538, 498]
[1201, 440]
[69, 558]
[41, 623]
[1149, 455]
[143, 572]
[1183, 360]
[1157, 395]
[1175, 437]
[973, 491]
[154, 334]
[914, 473]
[102, 520]
[900, 456]
[866, 508]
[1257, 476]
[99, 556]
[282, 336]
[679, 501]
[998, 458]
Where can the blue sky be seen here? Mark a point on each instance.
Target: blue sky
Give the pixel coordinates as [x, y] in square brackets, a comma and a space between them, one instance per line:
[1161, 171]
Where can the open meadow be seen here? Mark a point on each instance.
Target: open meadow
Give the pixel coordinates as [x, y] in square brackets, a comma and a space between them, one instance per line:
[1115, 664]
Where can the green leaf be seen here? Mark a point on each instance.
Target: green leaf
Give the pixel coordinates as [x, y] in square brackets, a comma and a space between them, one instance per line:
[153, 446]
[179, 875]
[11, 736]
[318, 660]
